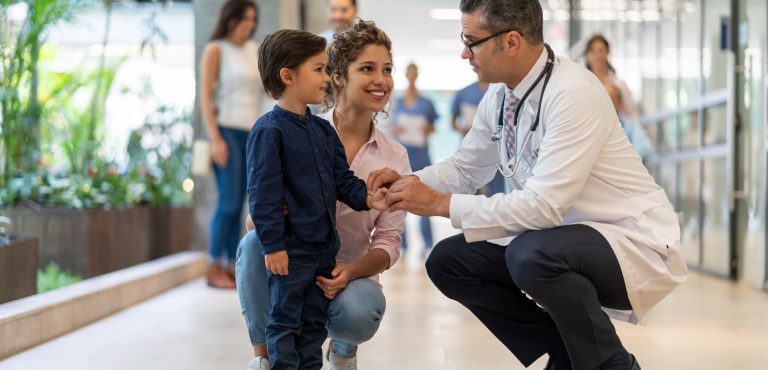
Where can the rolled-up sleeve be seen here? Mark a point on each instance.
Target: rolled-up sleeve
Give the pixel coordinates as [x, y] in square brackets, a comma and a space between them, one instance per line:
[388, 226]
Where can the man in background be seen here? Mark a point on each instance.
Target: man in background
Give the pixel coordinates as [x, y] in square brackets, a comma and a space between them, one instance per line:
[463, 112]
[340, 15]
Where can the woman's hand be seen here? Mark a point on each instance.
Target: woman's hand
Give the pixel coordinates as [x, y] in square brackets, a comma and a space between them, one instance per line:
[342, 275]
[277, 262]
[219, 152]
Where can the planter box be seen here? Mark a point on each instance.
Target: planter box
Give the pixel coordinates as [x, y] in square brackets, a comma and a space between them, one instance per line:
[18, 268]
[88, 242]
[171, 230]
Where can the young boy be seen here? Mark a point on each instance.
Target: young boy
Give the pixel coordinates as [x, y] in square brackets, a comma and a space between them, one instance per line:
[296, 160]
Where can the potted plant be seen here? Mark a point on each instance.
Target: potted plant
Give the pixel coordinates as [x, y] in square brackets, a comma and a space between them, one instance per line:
[161, 151]
[18, 263]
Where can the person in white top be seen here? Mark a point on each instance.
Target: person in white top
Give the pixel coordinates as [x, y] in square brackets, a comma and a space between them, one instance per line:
[231, 99]
[584, 231]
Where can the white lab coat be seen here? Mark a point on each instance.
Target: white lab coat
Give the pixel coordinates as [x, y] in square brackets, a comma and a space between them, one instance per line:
[587, 173]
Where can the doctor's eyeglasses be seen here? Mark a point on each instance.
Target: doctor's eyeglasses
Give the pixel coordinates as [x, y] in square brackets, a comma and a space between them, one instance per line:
[469, 45]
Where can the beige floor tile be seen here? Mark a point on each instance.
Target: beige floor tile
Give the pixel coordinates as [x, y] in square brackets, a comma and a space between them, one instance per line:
[708, 323]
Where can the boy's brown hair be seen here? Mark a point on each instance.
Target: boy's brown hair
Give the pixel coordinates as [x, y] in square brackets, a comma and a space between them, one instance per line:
[285, 49]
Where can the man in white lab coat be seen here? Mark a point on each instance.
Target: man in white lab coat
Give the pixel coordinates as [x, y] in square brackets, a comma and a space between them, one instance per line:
[584, 233]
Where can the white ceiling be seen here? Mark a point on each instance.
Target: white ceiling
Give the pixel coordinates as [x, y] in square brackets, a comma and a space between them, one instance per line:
[432, 44]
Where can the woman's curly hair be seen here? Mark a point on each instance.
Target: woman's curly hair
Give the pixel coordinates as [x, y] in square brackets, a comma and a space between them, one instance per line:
[345, 49]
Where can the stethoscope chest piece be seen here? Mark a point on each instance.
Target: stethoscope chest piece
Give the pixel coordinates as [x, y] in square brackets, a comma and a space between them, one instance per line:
[496, 137]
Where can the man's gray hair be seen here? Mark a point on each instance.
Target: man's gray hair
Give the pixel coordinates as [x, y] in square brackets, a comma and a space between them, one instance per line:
[523, 16]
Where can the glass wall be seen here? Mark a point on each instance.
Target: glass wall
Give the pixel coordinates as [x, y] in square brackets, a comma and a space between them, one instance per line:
[753, 90]
[676, 53]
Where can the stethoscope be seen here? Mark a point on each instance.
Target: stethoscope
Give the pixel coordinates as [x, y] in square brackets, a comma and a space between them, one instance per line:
[496, 137]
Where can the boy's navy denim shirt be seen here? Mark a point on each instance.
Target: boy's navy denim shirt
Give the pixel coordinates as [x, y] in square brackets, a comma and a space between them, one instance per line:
[299, 160]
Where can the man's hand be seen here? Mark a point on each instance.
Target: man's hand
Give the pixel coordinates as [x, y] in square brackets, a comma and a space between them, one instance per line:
[341, 277]
[277, 262]
[410, 194]
[382, 178]
[378, 200]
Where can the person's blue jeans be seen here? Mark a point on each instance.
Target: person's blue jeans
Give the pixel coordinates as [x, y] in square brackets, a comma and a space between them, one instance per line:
[231, 184]
[419, 158]
[354, 314]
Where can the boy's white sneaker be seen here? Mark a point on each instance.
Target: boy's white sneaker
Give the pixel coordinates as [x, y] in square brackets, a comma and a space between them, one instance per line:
[337, 362]
[259, 363]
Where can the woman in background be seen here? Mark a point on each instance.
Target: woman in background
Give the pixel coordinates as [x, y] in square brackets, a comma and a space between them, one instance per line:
[597, 55]
[231, 98]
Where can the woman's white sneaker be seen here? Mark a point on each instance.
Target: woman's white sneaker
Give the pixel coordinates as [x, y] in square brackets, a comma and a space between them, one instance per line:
[337, 362]
[259, 363]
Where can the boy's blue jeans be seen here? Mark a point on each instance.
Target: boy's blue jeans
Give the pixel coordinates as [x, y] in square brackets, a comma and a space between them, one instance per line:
[354, 314]
[299, 313]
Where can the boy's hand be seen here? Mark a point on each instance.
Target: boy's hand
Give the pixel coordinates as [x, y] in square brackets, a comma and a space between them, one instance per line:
[377, 200]
[277, 262]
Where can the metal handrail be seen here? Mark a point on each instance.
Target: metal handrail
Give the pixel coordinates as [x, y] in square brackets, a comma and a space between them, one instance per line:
[713, 99]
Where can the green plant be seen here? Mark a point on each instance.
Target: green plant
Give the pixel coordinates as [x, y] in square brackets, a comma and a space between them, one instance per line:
[102, 187]
[74, 128]
[52, 277]
[161, 150]
[23, 27]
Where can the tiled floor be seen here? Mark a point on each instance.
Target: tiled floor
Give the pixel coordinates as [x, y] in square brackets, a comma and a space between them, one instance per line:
[706, 324]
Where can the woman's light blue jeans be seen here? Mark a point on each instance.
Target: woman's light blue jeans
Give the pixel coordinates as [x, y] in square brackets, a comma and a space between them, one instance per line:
[354, 314]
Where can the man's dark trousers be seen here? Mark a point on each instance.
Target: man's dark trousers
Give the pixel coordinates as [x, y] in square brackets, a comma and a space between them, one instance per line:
[570, 271]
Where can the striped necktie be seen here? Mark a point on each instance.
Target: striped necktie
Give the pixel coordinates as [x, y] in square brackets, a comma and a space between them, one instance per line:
[510, 104]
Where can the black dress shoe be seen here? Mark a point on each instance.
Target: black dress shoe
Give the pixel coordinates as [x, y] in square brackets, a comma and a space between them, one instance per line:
[552, 365]
[634, 365]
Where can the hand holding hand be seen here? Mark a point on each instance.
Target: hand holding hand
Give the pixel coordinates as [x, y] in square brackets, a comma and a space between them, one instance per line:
[410, 194]
[382, 178]
[378, 200]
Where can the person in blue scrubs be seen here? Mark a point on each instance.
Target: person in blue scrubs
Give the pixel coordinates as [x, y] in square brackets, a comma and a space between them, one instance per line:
[413, 120]
[463, 112]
